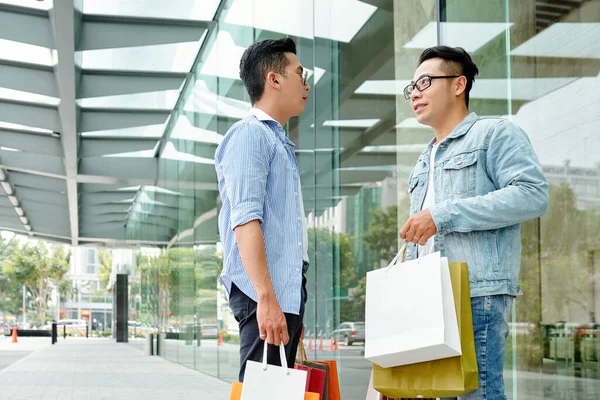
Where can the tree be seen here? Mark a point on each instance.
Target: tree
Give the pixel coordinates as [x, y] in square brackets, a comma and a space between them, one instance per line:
[10, 291]
[382, 235]
[105, 258]
[36, 267]
[330, 255]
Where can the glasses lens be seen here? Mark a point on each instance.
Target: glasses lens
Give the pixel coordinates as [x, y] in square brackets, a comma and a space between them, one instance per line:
[408, 91]
[423, 83]
[305, 77]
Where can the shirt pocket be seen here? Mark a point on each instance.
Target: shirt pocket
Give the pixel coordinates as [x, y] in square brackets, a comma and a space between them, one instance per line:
[459, 174]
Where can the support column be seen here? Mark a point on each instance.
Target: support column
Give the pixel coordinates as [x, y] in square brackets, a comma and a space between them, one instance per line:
[121, 301]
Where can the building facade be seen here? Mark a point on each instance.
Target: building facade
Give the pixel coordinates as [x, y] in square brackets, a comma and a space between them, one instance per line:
[357, 141]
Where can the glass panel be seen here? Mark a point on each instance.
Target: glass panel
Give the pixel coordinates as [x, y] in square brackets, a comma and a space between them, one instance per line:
[9, 125]
[177, 57]
[203, 10]
[26, 53]
[40, 5]
[19, 95]
[531, 73]
[148, 131]
[163, 100]
[356, 144]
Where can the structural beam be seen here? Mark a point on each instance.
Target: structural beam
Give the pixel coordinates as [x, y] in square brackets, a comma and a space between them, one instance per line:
[30, 114]
[62, 17]
[102, 147]
[28, 79]
[31, 142]
[25, 27]
[121, 168]
[107, 33]
[96, 119]
[41, 164]
[102, 84]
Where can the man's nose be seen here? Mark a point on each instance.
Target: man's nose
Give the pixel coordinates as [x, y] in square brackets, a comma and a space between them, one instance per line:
[307, 86]
[416, 94]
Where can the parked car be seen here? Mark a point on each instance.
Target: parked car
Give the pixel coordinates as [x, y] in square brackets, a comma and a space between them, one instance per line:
[349, 333]
[209, 331]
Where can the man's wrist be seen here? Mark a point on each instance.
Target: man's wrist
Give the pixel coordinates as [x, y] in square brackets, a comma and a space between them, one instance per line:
[266, 295]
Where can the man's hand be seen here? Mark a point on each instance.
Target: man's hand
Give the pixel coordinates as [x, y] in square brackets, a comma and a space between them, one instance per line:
[271, 322]
[419, 228]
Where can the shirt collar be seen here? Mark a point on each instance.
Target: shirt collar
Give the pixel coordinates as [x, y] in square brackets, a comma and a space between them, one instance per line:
[263, 117]
[260, 114]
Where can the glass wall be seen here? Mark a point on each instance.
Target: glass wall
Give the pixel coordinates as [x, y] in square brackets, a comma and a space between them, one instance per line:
[356, 143]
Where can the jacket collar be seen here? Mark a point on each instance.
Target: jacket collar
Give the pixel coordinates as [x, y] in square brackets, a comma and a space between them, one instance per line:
[460, 130]
[464, 126]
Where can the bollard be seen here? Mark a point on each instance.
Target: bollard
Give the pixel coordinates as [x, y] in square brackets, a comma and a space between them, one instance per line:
[64, 331]
[54, 333]
[87, 331]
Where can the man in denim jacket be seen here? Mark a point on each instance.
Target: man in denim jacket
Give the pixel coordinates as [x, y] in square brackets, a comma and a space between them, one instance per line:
[472, 187]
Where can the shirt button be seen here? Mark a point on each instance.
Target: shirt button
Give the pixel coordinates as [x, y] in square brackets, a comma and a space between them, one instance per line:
[296, 193]
[299, 218]
[299, 243]
[297, 269]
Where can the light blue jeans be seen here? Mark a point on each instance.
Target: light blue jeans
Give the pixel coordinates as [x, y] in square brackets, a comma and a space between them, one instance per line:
[491, 315]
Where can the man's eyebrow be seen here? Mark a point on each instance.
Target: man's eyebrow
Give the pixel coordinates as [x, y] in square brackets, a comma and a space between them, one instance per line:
[412, 82]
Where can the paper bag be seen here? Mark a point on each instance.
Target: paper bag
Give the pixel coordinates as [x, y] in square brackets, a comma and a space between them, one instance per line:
[398, 332]
[450, 377]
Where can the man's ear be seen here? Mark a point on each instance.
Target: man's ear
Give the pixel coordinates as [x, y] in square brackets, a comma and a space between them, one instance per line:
[460, 85]
[272, 80]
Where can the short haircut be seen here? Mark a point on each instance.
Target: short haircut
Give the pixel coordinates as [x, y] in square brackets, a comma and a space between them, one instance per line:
[259, 59]
[456, 62]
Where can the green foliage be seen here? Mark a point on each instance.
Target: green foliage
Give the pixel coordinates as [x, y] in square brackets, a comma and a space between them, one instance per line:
[36, 267]
[11, 299]
[105, 269]
[180, 282]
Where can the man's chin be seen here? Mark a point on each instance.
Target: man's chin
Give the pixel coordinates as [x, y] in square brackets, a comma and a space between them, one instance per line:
[422, 120]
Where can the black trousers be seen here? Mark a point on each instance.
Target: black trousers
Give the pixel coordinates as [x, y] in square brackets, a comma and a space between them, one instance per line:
[251, 346]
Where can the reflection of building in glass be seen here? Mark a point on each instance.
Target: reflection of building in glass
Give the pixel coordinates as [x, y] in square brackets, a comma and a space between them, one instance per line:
[89, 299]
[584, 182]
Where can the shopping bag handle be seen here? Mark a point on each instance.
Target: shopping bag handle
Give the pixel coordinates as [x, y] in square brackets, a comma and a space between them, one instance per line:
[302, 356]
[401, 253]
[281, 355]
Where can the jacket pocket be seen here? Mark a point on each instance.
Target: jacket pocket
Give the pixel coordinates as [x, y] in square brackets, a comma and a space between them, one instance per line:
[459, 174]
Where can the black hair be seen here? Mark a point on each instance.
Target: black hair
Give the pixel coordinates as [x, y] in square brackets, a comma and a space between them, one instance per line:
[456, 62]
[259, 59]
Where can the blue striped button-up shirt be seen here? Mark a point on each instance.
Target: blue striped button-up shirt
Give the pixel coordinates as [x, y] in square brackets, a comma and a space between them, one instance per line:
[258, 179]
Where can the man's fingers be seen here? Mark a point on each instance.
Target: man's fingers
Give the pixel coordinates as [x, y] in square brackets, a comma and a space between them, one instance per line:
[411, 235]
[285, 336]
[270, 336]
[277, 336]
[405, 229]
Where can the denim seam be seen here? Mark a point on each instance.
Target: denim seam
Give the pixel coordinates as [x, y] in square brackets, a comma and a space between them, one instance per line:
[487, 307]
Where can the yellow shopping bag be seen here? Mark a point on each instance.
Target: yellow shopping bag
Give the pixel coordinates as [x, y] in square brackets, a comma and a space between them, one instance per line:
[448, 377]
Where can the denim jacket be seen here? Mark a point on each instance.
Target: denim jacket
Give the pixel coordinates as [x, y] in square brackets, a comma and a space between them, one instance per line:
[488, 181]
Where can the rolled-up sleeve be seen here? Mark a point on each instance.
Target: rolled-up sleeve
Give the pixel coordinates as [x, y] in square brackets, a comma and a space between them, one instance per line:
[244, 161]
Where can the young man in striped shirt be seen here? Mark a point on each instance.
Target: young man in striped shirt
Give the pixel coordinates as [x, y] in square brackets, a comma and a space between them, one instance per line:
[262, 222]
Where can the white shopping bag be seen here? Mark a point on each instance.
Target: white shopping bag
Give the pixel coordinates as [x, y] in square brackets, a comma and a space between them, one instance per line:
[410, 314]
[263, 381]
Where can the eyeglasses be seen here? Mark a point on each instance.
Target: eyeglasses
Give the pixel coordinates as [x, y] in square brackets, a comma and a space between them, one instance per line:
[303, 75]
[423, 83]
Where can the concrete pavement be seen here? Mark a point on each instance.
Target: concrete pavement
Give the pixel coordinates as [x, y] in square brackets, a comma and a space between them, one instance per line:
[98, 369]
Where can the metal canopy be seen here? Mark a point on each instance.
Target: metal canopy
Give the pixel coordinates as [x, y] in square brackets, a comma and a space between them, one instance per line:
[60, 181]
[93, 136]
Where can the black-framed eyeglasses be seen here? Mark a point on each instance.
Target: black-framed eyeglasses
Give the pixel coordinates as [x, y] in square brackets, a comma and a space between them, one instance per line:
[423, 83]
[303, 75]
